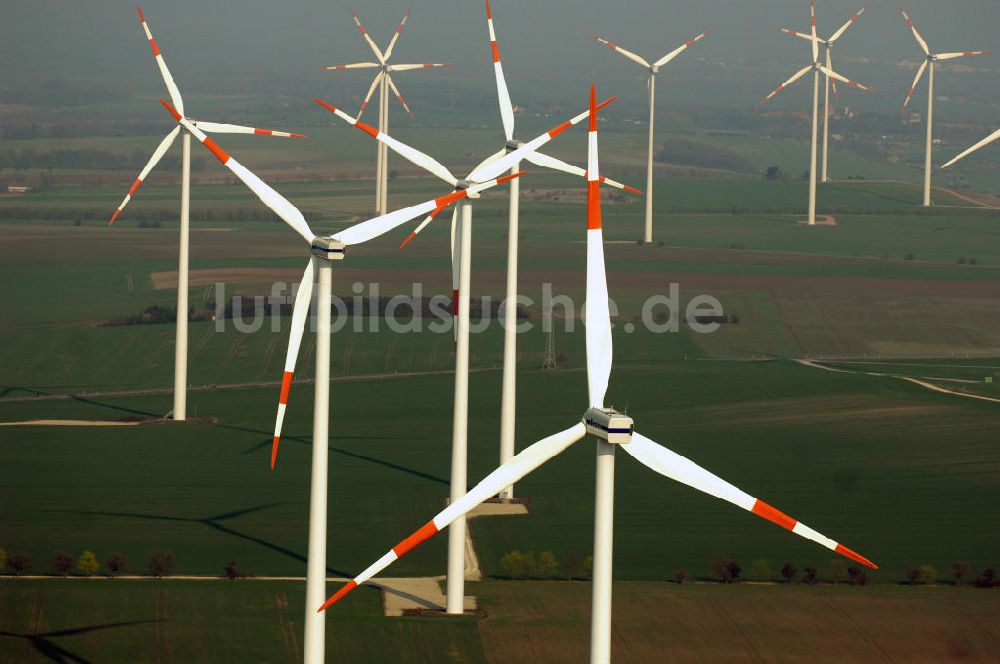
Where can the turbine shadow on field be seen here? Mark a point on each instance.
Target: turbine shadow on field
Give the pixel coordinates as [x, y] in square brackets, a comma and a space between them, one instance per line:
[44, 645]
[266, 444]
[92, 402]
[213, 523]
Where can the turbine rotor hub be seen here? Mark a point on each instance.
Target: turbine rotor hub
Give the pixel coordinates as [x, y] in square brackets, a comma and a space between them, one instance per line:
[327, 248]
[609, 425]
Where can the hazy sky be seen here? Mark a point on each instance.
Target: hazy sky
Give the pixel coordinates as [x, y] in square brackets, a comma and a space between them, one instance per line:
[541, 40]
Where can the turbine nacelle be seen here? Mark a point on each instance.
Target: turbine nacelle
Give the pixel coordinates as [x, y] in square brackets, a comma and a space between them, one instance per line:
[327, 248]
[467, 186]
[610, 425]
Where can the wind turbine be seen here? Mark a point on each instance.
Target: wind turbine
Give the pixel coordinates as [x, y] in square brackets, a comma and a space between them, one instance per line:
[983, 143]
[930, 61]
[508, 391]
[829, 65]
[653, 71]
[611, 429]
[383, 80]
[461, 257]
[180, 351]
[816, 68]
[324, 250]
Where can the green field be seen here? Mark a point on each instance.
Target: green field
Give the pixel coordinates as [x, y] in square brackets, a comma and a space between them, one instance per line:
[154, 621]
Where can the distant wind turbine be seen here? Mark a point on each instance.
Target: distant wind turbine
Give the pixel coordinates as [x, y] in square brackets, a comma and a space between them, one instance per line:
[829, 82]
[654, 69]
[383, 80]
[179, 411]
[929, 63]
[816, 68]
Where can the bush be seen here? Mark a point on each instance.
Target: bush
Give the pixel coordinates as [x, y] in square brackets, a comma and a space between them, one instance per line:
[3, 560]
[908, 257]
[161, 563]
[911, 575]
[810, 576]
[928, 573]
[18, 563]
[115, 563]
[959, 570]
[572, 566]
[62, 563]
[788, 572]
[515, 564]
[856, 576]
[725, 569]
[988, 579]
[680, 576]
[837, 570]
[232, 572]
[547, 566]
[760, 570]
[87, 563]
[588, 566]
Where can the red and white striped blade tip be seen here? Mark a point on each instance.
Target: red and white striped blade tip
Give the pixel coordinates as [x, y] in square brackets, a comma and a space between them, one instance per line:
[274, 451]
[407, 240]
[339, 595]
[633, 190]
[169, 107]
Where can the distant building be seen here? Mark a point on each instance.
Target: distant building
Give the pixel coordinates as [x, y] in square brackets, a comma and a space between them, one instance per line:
[17, 190]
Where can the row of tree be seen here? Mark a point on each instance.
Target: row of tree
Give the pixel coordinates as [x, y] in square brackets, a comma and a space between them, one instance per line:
[724, 569]
[160, 563]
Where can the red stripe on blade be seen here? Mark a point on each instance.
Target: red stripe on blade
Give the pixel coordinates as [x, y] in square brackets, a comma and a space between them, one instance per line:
[219, 153]
[496, 52]
[489, 14]
[135, 185]
[407, 240]
[454, 302]
[856, 557]
[173, 111]
[560, 129]
[262, 132]
[286, 386]
[367, 128]
[142, 17]
[762, 509]
[156, 49]
[114, 216]
[329, 107]
[427, 531]
[274, 451]
[339, 595]
[593, 205]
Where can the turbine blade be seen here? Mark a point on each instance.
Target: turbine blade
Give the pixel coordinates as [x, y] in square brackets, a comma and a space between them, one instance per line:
[364, 33]
[916, 35]
[356, 65]
[812, 30]
[368, 96]
[799, 74]
[683, 470]
[506, 107]
[428, 65]
[843, 79]
[158, 153]
[373, 228]
[802, 35]
[395, 36]
[986, 141]
[506, 162]
[964, 54]
[916, 82]
[851, 21]
[268, 196]
[618, 49]
[546, 161]
[677, 51]
[395, 91]
[412, 155]
[175, 94]
[222, 128]
[492, 158]
[303, 298]
[507, 474]
[597, 316]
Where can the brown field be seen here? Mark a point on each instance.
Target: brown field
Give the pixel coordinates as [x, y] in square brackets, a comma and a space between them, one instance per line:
[664, 622]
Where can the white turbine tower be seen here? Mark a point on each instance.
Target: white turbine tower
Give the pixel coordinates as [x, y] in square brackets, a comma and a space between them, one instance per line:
[462, 258]
[983, 143]
[611, 429]
[653, 71]
[180, 352]
[829, 43]
[816, 68]
[508, 403]
[929, 63]
[383, 80]
[324, 250]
